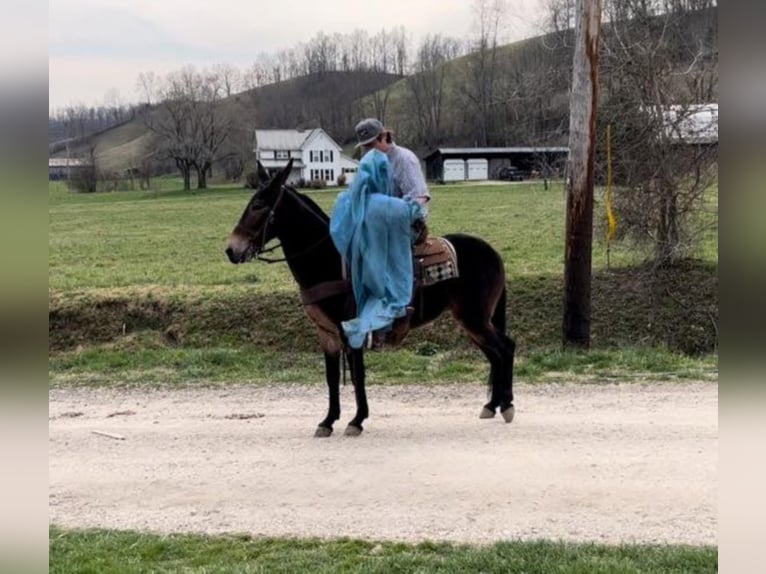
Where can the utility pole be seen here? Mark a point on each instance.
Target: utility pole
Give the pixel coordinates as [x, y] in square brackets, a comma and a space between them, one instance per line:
[582, 149]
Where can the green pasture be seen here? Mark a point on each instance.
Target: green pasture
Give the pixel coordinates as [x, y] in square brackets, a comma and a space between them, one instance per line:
[176, 239]
[114, 552]
[140, 291]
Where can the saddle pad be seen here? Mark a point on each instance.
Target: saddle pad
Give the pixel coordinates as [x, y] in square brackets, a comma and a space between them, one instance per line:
[434, 260]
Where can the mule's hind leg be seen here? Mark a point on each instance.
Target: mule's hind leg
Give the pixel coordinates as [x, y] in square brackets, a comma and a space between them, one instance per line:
[356, 361]
[488, 410]
[332, 374]
[506, 384]
[498, 349]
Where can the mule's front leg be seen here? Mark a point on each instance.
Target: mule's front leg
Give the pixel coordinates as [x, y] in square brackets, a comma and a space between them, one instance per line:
[332, 373]
[356, 361]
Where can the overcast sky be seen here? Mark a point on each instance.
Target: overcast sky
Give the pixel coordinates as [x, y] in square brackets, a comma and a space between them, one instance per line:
[97, 48]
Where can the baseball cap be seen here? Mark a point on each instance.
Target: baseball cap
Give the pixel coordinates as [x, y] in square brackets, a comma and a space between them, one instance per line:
[367, 130]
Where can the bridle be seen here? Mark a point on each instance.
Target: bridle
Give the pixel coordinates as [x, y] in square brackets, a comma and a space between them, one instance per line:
[270, 220]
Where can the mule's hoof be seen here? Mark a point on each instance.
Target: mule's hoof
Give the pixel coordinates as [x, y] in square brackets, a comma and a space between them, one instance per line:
[352, 430]
[486, 413]
[508, 414]
[322, 432]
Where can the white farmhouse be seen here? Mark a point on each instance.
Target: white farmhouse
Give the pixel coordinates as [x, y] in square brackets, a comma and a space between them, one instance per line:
[315, 155]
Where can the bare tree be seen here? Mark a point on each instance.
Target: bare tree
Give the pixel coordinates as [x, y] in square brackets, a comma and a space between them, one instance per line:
[189, 122]
[359, 50]
[662, 60]
[560, 15]
[147, 85]
[400, 43]
[426, 86]
[84, 177]
[229, 77]
[479, 87]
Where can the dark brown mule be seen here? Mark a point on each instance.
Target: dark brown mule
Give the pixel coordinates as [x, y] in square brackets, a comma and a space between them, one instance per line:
[476, 298]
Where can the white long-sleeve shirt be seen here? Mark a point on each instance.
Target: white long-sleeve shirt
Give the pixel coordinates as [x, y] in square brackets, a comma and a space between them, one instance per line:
[409, 182]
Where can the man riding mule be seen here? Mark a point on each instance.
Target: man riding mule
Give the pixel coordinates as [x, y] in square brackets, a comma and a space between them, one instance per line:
[371, 230]
[406, 176]
[373, 225]
[476, 295]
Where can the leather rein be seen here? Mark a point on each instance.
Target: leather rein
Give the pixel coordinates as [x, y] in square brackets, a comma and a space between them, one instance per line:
[270, 221]
[318, 292]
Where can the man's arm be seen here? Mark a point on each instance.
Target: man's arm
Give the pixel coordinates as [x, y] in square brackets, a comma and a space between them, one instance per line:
[413, 184]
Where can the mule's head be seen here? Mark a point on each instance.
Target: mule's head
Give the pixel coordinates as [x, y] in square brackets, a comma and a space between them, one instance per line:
[258, 224]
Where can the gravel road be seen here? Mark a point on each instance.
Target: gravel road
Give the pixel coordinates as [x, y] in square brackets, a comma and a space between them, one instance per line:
[606, 463]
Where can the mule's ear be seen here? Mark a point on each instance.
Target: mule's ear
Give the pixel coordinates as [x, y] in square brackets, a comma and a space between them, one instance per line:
[280, 179]
[263, 174]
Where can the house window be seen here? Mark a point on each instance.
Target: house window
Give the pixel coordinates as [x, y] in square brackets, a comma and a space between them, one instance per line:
[329, 175]
[283, 154]
[322, 156]
[266, 154]
[349, 170]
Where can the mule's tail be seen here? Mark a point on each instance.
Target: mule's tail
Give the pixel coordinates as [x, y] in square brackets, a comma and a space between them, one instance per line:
[498, 315]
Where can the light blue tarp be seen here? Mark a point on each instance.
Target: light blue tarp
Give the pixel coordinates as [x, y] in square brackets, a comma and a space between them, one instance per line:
[373, 231]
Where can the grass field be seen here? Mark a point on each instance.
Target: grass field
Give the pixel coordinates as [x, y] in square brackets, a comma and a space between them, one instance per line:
[110, 552]
[175, 238]
[140, 291]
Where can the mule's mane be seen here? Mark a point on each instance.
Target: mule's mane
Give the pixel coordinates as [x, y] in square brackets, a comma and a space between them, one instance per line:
[310, 204]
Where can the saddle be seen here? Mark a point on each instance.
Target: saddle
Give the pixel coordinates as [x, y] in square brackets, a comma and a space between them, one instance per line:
[434, 260]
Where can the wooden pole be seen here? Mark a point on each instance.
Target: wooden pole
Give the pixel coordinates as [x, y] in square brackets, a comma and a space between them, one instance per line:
[582, 148]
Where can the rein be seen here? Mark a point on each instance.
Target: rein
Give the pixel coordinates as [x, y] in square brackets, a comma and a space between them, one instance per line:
[270, 220]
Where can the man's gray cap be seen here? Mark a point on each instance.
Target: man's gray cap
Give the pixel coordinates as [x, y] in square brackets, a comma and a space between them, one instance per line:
[367, 130]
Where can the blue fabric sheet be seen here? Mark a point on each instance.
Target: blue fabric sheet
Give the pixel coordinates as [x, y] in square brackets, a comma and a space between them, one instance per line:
[373, 231]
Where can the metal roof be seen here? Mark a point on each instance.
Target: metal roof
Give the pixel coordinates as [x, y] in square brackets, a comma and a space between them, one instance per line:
[67, 162]
[481, 151]
[280, 163]
[288, 139]
[692, 124]
[282, 139]
[348, 162]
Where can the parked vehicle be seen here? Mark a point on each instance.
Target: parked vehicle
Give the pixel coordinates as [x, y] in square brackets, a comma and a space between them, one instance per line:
[511, 173]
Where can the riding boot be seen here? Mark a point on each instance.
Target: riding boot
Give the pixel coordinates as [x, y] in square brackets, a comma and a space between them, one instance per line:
[400, 327]
[391, 336]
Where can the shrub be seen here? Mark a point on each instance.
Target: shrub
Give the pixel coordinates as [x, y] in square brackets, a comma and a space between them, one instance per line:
[252, 180]
[317, 184]
[342, 179]
[83, 179]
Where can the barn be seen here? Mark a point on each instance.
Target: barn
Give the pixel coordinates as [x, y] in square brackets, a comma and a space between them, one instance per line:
[64, 168]
[482, 163]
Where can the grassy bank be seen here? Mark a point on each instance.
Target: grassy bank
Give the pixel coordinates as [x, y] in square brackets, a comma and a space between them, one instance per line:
[147, 364]
[112, 552]
[677, 310]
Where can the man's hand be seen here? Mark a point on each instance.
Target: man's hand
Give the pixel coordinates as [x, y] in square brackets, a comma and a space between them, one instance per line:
[420, 231]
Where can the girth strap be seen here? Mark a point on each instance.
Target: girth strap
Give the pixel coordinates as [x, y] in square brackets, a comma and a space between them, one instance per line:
[324, 291]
